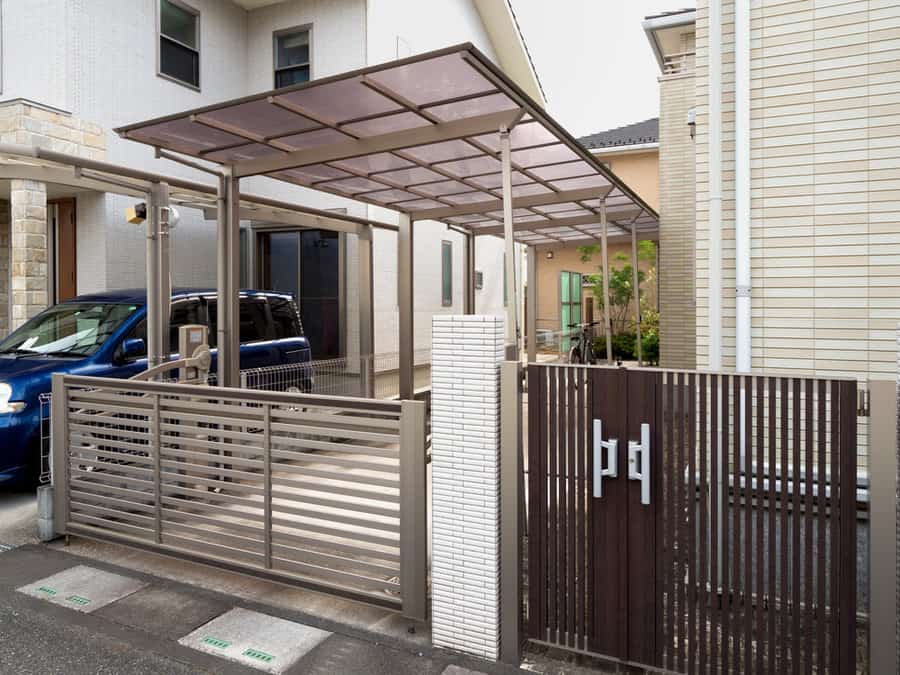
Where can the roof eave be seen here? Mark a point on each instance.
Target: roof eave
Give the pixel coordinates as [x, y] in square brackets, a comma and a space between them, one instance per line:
[653, 24]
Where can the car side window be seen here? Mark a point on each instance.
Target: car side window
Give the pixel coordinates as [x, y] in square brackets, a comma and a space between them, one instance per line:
[183, 313]
[253, 320]
[284, 319]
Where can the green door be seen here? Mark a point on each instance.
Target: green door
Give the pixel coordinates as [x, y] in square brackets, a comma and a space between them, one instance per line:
[569, 306]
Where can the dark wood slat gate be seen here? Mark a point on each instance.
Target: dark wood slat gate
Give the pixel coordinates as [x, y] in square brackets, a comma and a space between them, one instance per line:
[745, 558]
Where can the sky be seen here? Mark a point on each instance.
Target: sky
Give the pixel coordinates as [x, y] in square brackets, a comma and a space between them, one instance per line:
[593, 59]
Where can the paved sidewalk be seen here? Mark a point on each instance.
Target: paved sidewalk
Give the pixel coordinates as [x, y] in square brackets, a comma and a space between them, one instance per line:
[62, 613]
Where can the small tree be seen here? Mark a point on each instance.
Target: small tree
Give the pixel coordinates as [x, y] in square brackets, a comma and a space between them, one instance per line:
[621, 282]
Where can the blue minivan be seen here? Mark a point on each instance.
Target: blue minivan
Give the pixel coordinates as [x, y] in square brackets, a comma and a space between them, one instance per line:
[104, 335]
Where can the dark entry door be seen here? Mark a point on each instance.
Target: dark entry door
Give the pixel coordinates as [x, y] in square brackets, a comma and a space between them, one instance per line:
[65, 250]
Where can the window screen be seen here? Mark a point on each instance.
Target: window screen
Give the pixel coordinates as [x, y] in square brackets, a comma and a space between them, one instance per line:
[179, 44]
[291, 58]
[446, 273]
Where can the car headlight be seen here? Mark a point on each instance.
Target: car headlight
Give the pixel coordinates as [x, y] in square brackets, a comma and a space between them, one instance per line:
[7, 406]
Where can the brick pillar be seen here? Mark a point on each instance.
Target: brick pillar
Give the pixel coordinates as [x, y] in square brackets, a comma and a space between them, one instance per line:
[4, 268]
[465, 464]
[28, 260]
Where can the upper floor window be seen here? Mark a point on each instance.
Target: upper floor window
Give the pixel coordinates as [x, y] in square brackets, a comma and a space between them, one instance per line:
[446, 273]
[291, 57]
[179, 42]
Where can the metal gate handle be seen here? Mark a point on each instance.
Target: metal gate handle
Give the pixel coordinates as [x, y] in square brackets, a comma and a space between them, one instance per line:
[611, 446]
[642, 474]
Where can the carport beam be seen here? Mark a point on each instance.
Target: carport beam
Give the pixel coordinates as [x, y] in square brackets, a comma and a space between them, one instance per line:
[604, 248]
[405, 302]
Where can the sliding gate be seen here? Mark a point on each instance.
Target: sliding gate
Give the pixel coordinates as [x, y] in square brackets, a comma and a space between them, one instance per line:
[693, 522]
[327, 492]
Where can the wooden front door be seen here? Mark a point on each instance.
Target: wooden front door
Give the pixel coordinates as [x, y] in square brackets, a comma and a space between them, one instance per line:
[65, 250]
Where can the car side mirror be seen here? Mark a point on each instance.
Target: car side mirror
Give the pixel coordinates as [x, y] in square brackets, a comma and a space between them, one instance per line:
[134, 348]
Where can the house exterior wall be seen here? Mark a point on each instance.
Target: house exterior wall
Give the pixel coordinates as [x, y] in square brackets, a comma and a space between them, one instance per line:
[825, 221]
[677, 320]
[639, 170]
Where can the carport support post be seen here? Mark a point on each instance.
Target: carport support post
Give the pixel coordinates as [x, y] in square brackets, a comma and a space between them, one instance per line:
[511, 513]
[228, 224]
[470, 274]
[607, 327]
[413, 511]
[405, 301]
[366, 316]
[512, 330]
[636, 286]
[531, 310]
[165, 274]
[154, 347]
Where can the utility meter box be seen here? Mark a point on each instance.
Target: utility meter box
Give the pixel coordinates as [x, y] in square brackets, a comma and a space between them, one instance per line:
[190, 337]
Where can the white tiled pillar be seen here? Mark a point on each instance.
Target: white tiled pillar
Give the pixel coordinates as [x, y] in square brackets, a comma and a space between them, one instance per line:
[465, 463]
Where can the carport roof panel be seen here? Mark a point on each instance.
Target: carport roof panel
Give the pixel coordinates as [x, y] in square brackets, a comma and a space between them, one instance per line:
[419, 135]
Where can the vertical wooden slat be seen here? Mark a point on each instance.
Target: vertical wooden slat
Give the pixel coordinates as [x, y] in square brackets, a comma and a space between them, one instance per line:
[796, 515]
[572, 484]
[748, 522]
[669, 582]
[783, 590]
[821, 504]
[725, 536]
[580, 491]
[772, 538]
[589, 614]
[535, 530]
[715, 523]
[692, 521]
[552, 523]
[703, 632]
[759, 494]
[736, 465]
[847, 564]
[835, 513]
[808, 628]
[680, 505]
[562, 428]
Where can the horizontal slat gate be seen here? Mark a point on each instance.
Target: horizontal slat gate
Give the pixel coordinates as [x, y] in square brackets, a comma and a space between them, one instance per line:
[302, 488]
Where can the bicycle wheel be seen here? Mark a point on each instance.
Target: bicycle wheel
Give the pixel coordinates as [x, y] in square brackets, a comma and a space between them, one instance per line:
[575, 355]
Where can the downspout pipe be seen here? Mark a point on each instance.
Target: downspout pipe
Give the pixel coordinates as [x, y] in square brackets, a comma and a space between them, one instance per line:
[714, 150]
[742, 186]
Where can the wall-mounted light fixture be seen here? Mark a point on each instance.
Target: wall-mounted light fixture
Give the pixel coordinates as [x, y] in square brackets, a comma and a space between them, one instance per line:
[549, 255]
[692, 122]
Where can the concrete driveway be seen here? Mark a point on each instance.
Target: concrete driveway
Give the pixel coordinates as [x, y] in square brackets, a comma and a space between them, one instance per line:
[18, 514]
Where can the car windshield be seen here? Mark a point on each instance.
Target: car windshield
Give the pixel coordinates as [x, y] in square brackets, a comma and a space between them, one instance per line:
[70, 329]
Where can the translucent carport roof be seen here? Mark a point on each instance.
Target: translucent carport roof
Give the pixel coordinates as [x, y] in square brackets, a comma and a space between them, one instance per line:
[420, 136]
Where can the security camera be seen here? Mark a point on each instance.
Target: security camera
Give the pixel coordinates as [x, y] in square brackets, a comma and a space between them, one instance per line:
[136, 214]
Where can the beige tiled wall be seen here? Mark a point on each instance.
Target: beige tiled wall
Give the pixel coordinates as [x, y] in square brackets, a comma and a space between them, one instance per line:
[825, 180]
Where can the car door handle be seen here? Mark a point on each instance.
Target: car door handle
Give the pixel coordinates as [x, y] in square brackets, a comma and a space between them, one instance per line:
[612, 447]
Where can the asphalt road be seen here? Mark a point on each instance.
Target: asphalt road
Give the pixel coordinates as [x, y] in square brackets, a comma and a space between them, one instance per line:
[18, 513]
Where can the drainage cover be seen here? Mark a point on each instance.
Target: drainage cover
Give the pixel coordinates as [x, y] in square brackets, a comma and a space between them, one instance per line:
[257, 640]
[82, 588]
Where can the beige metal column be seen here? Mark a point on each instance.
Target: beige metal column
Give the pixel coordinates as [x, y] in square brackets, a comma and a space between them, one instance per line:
[512, 526]
[607, 326]
[512, 329]
[470, 274]
[531, 311]
[165, 269]
[635, 282]
[228, 303]
[154, 346]
[405, 301]
[366, 314]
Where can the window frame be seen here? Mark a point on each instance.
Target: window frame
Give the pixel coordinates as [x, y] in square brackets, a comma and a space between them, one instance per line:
[446, 300]
[160, 36]
[479, 280]
[308, 28]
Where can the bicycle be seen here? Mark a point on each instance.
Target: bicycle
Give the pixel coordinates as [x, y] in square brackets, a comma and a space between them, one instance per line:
[582, 349]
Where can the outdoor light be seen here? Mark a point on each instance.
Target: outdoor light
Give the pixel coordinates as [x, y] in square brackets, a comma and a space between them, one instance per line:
[174, 217]
[136, 214]
[692, 121]
[549, 255]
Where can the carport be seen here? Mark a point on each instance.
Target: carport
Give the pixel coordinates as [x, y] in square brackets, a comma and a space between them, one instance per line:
[443, 136]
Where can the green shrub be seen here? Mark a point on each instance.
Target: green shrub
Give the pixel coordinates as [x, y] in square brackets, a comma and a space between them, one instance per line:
[650, 345]
[624, 347]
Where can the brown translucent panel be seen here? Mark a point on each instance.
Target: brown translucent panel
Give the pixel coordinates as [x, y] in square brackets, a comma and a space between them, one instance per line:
[529, 189]
[249, 151]
[341, 100]
[462, 220]
[316, 172]
[185, 136]
[472, 166]
[517, 213]
[262, 118]
[567, 170]
[418, 204]
[433, 80]
[572, 213]
[353, 185]
[530, 218]
[522, 136]
[388, 196]
[382, 161]
[415, 174]
[596, 181]
[472, 107]
[314, 139]
[444, 187]
[553, 208]
[386, 125]
[468, 198]
[546, 154]
[443, 151]
[556, 230]
[493, 181]
[483, 224]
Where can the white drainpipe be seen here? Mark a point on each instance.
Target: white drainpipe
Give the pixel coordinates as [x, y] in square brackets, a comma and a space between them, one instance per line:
[714, 150]
[742, 185]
